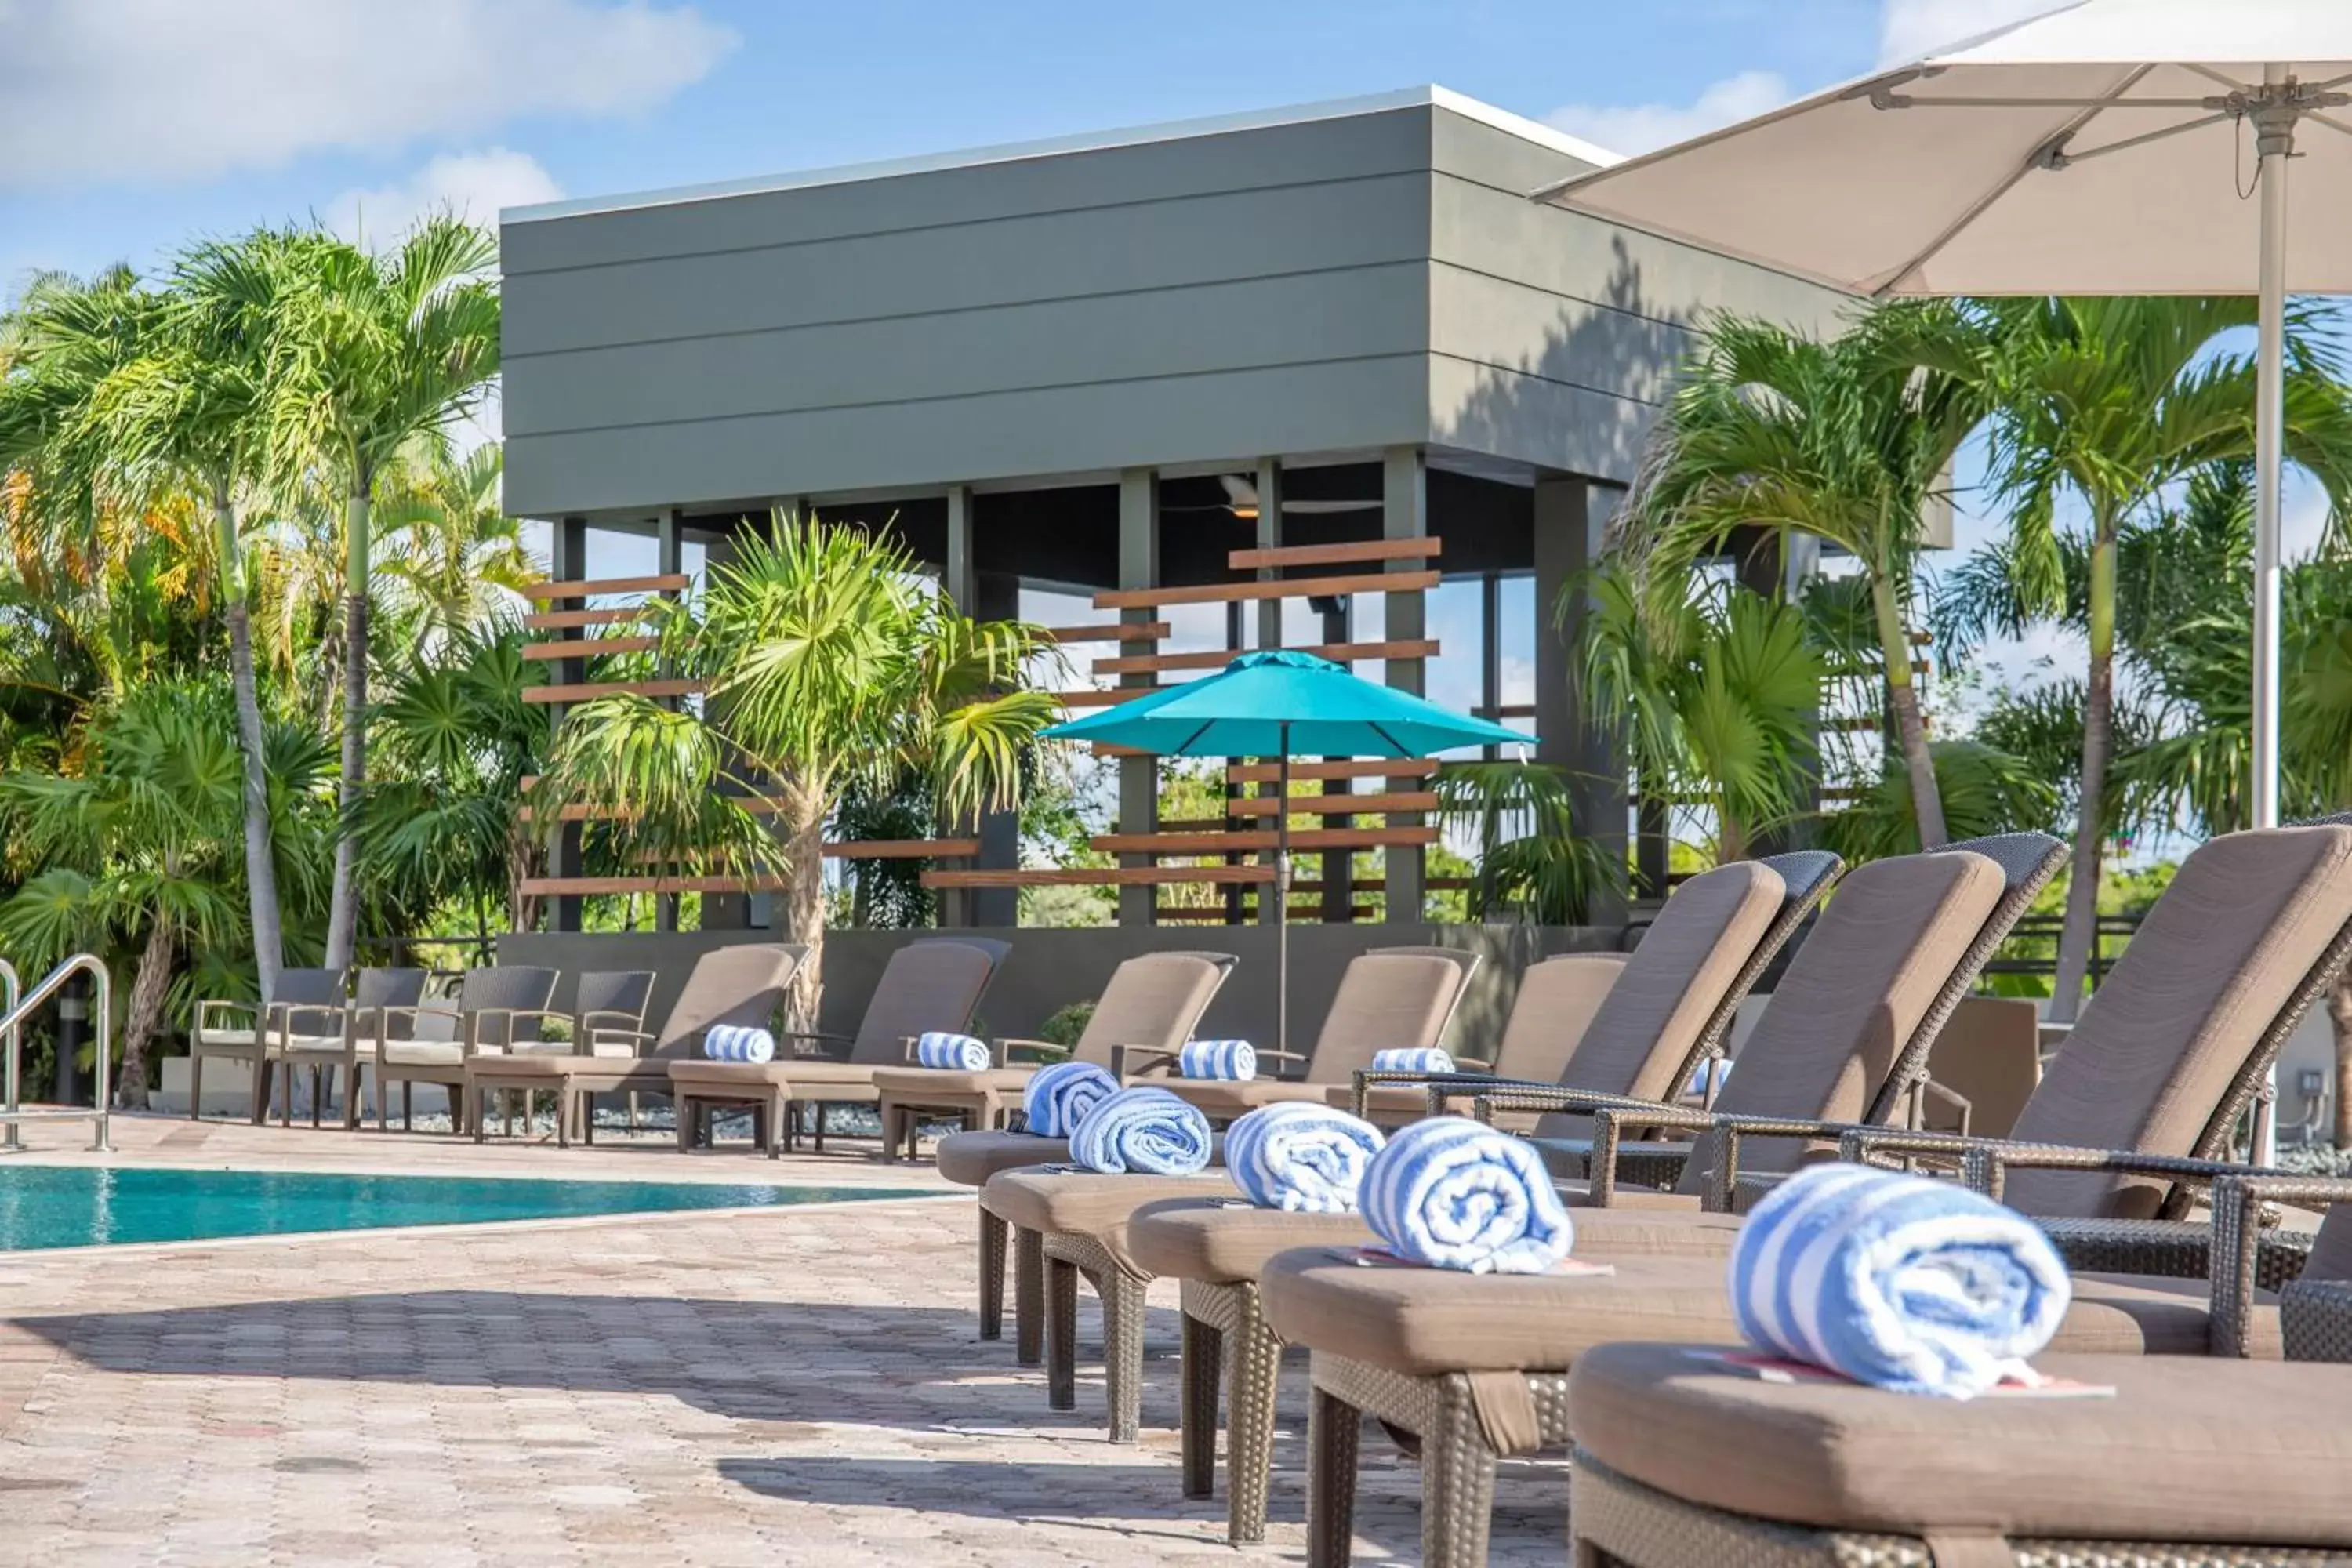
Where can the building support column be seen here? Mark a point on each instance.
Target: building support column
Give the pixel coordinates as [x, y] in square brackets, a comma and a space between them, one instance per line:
[568, 562]
[985, 596]
[729, 912]
[672, 559]
[1268, 480]
[1404, 514]
[1571, 520]
[1139, 777]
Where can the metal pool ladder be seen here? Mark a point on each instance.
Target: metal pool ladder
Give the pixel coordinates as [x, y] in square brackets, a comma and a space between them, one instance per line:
[19, 1005]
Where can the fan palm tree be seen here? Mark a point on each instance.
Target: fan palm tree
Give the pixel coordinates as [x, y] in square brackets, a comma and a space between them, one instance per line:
[828, 660]
[1532, 864]
[452, 565]
[1851, 441]
[365, 354]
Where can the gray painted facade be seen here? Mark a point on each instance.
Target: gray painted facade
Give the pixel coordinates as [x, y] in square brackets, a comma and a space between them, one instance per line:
[1326, 283]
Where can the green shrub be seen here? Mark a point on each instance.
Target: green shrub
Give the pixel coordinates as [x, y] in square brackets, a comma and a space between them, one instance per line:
[1066, 1025]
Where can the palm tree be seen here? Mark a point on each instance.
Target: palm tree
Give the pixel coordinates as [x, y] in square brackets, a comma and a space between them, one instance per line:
[2114, 402]
[1532, 864]
[1850, 441]
[452, 565]
[365, 354]
[829, 661]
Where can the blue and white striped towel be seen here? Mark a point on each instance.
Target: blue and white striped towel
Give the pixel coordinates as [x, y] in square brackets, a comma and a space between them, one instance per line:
[1914, 1285]
[1301, 1157]
[735, 1043]
[1059, 1097]
[1415, 1058]
[1145, 1128]
[1232, 1059]
[955, 1053]
[1718, 1067]
[1455, 1193]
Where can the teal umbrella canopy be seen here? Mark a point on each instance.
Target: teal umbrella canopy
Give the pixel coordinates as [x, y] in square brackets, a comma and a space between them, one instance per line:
[1283, 704]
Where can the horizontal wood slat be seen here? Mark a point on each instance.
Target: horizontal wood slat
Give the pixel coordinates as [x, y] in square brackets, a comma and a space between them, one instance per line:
[1347, 555]
[1336, 804]
[1250, 841]
[1271, 772]
[1115, 631]
[903, 849]
[560, 620]
[1093, 697]
[667, 581]
[1217, 659]
[1251, 593]
[547, 887]
[1104, 876]
[589, 648]
[589, 691]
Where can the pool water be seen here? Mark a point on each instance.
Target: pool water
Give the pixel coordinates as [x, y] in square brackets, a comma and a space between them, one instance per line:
[52, 1205]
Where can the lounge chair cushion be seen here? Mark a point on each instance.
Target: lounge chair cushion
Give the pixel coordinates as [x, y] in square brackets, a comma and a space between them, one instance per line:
[911, 1084]
[971, 1158]
[694, 1075]
[1152, 1004]
[1088, 1204]
[1427, 1322]
[2188, 1450]
[419, 1053]
[1223, 1099]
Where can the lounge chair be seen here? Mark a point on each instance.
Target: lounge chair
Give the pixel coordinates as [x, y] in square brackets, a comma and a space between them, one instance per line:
[1149, 1008]
[351, 1044]
[1887, 960]
[1393, 997]
[1478, 1367]
[495, 1007]
[607, 1018]
[1681, 1460]
[927, 985]
[742, 985]
[307, 1003]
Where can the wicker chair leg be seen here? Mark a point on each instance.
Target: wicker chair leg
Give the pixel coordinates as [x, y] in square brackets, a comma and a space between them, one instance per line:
[1333, 1429]
[992, 1276]
[1204, 1353]
[1457, 1484]
[458, 1095]
[318, 1096]
[688, 1108]
[1122, 1307]
[1028, 1297]
[1249, 1427]
[195, 1084]
[1061, 1333]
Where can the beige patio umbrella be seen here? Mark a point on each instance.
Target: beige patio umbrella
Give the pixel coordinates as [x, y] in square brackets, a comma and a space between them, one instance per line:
[2104, 147]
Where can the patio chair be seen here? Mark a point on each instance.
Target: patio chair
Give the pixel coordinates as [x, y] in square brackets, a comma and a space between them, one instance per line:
[349, 1046]
[1478, 1368]
[1680, 1458]
[927, 985]
[1400, 996]
[1961, 902]
[742, 985]
[307, 1003]
[494, 1008]
[607, 1017]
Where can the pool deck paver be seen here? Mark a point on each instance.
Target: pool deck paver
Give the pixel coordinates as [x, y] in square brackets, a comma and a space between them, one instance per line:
[786, 1385]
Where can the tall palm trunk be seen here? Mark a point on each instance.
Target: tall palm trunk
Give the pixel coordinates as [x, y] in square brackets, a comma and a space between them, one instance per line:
[260, 859]
[343, 912]
[148, 989]
[804, 906]
[2080, 932]
[1910, 726]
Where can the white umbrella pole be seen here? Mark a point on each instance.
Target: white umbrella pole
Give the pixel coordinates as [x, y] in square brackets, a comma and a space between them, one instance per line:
[2275, 143]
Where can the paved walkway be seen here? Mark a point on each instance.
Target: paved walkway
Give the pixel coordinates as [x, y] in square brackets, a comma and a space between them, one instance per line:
[788, 1385]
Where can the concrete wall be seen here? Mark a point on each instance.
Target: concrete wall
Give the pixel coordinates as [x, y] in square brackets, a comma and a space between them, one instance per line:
[1048, 970]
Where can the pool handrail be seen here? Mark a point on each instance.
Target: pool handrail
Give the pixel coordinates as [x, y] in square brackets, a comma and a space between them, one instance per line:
[14, 1114]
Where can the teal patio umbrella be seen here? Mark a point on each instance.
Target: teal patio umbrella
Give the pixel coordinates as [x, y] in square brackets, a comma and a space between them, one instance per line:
[1284, 705]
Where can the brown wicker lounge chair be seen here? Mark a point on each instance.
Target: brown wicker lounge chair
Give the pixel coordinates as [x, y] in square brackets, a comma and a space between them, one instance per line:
[1402, 997]
[495, 1007]
[1862, 944]
[1149, 1008]
[2219, 1462]
[927, 985]
[354, 1046]
[1152, 1004]
[741, 984]
[607, 1018]
[307, 1004]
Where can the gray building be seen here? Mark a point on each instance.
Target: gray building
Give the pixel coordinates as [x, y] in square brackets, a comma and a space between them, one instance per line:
[1117, 371]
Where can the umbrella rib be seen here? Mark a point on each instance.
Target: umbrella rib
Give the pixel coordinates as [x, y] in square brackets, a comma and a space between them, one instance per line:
[2008, 182]
[1382, 731]
[1183, 746]
[2141, 140]
[2224, 77]
[2333, 124]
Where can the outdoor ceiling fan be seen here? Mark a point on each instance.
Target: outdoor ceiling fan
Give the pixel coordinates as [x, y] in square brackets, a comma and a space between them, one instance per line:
[1241, 500]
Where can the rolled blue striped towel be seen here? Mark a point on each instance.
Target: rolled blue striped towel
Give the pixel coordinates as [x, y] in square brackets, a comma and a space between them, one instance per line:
[1145, 1128]
[1301, 1157]
[1058, 1096]
[1918, 1286]
[1718, 1067]
[955, 1053]
[1416, 1058]
[736, 1043]
[1455, 1193]
[1234, 1059]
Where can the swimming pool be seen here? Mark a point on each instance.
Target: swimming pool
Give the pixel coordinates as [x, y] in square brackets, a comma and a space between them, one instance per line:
[54, 1206]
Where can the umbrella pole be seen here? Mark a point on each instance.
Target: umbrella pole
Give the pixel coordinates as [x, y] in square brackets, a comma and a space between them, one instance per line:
[2276, 141]
[1282, 898]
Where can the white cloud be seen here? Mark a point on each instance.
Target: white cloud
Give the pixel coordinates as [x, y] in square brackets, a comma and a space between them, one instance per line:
[164, 91]
[474, 185]
[1645, 127]
[1910, 29]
